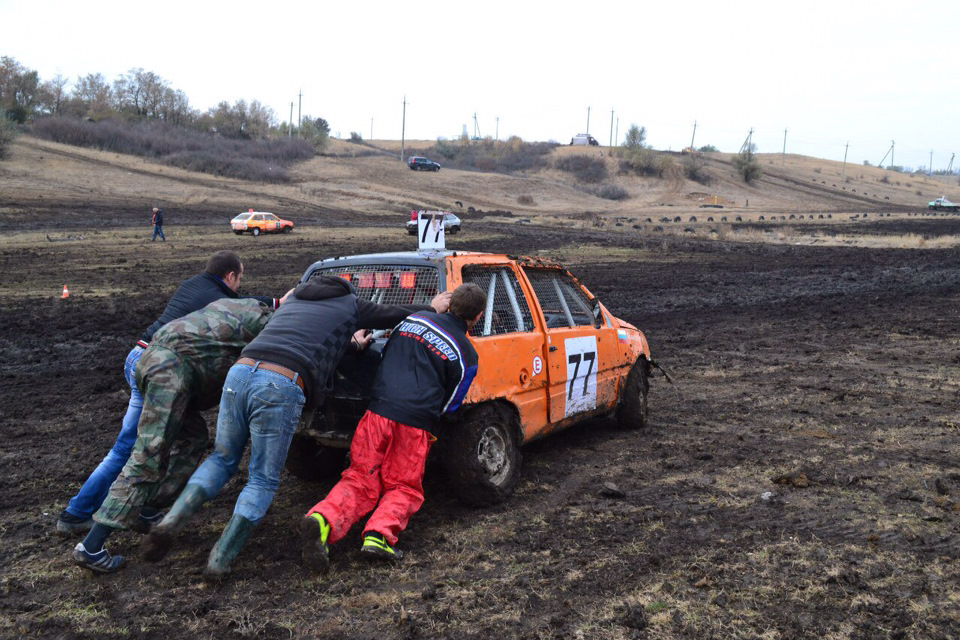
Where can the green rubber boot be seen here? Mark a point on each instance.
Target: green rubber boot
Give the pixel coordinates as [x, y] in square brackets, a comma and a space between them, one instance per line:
[228, 547]
[162, 535]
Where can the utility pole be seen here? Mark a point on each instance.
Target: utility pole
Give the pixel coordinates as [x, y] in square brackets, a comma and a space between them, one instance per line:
[611, 127]
[930, 166]
[617, 134]
[497, 136]
[950, 166]
[888, 153]
[694, 136]
[748, 143]
[588, 120]
[290, 121]
[784, 155]
[892, 163]
[846, 148]
[403, 129]
[300, 113]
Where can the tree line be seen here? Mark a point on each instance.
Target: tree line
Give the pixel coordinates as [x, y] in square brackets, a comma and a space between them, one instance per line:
[139, 95]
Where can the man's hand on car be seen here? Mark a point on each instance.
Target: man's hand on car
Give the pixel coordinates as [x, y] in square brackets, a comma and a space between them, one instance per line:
[441, 302]
[362, 339]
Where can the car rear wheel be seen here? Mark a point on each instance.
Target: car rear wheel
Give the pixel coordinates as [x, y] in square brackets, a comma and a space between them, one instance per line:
[239, 233]
[481, 455]
[256, 231]
[286, 229]
[632, 411]
[454, 229]
[310, 461]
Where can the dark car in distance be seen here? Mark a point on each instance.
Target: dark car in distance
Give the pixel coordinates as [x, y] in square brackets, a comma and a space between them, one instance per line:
[419, 163]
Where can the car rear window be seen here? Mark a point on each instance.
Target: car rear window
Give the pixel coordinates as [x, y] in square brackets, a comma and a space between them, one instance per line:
[243, 216]
[390, 284]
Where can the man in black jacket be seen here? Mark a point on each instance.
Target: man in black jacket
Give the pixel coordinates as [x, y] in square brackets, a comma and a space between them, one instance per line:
[221, 279]
[289, 365]
[427, 368]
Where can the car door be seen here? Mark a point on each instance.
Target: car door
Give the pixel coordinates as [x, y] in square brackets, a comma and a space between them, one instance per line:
[509, 342]
[581, 347]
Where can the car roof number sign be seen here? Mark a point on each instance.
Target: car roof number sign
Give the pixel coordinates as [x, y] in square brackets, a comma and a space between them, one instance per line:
[430, 231]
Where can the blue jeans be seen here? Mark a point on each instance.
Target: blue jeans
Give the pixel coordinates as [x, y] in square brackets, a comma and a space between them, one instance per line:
[261, 406]
[158, 231]
[95, 489]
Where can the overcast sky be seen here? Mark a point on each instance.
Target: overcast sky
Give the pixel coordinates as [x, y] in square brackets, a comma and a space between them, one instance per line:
[863, 72]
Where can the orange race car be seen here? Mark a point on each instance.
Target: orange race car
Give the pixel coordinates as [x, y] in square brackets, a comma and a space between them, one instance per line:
[257, 222]
[551, 355]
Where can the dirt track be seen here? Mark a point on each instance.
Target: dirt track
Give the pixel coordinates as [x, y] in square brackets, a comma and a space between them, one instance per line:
[799, 481]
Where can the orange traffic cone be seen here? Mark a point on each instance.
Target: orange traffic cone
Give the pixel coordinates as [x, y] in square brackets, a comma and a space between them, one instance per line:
[66, 292]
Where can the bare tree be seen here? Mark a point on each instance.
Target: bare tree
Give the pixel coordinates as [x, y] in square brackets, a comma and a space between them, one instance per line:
[93, 95]
[54, 95]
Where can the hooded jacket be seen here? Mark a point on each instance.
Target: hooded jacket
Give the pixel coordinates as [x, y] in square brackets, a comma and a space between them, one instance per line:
[312, 330]
[194, 294]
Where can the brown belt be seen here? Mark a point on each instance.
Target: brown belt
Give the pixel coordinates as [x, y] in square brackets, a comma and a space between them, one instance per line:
[269, 366]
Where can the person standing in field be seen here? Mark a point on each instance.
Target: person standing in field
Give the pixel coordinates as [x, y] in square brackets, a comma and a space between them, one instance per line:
[158, 224]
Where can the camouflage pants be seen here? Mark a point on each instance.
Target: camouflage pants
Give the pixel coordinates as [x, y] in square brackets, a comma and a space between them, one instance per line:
[171, 438]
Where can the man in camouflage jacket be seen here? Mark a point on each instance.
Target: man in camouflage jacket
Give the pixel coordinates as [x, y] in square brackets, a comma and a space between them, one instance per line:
[180, 374]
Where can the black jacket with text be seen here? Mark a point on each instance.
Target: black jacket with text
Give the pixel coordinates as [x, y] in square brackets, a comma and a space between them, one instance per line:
[427, 368]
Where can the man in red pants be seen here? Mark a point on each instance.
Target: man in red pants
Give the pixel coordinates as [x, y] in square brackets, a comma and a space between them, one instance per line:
[427, 367]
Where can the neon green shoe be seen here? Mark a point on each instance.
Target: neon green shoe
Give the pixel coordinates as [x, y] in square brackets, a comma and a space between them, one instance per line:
[376, 546]
[314, 533]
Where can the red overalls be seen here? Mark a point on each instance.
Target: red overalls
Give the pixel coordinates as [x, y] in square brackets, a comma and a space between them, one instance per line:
[387, 459]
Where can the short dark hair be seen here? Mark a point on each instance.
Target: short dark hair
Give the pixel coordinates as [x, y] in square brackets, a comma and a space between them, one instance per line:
[467, 301]
[223, 263]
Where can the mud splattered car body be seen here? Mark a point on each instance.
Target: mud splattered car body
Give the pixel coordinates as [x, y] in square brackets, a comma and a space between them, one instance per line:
[551, 355]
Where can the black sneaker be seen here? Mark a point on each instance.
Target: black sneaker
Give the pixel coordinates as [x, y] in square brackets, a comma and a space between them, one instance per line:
[69, 523]
[314, 533]
[99, 562]
[376, 546]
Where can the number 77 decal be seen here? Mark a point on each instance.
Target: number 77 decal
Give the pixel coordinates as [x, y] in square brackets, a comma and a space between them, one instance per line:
[581, 374]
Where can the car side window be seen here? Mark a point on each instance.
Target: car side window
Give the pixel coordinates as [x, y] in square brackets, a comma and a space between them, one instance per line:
[507, 309]
[563, 302]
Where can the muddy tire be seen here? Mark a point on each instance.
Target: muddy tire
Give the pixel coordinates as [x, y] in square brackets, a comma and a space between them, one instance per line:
[632, 411]
[481, 455]
[313, 462]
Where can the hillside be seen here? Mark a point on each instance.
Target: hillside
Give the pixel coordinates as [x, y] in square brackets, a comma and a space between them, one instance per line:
[370, 180]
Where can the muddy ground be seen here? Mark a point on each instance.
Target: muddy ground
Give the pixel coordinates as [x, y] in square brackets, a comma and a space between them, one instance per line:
[800, 479]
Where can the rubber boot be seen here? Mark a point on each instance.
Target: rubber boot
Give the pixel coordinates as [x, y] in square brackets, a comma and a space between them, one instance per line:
[162, 535]
[228, 547]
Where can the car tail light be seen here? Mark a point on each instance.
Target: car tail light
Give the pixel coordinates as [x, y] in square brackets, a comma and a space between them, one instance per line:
[384, 279]
[413, 215]
[408, 280]
[346, 276]
[365, 280]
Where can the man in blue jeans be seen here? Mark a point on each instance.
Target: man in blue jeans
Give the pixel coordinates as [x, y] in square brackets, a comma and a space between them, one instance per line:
[221, 279]
[158, 224]
[289, 364]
